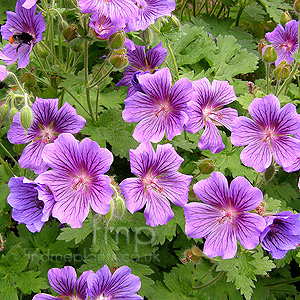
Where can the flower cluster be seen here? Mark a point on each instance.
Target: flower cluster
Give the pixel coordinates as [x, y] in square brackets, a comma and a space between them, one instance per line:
[100, 285]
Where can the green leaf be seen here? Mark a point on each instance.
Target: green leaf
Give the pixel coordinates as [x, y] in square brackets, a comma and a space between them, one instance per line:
[274, 8]
[4, 189]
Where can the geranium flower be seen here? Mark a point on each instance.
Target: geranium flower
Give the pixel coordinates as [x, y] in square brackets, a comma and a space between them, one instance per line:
[268, 134]
[158, 183]
[224, 216]
[149, 11]
[281, 234]
[22, 29]
[48, 122]
[206, 110]
[32, 202]
[119, 11]
[29, 3]
[64, 282]
[160, 108]
[285, 41]
[77, 179]
[3, 72]
[121, 285]
[141, 62]
[102, 25]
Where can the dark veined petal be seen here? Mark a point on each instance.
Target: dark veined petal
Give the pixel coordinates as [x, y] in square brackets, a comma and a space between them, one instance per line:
[81, 285]
[225, 116]
[98, 283]
[43, 296]
[156, 56]
[288, 120]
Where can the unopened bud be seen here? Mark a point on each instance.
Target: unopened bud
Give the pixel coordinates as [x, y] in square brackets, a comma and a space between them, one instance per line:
[41, 51]
[206, 166]
[28, 79]
[117, 40]
[26, 117]
[70, 33]
[269, 173]
[194, 255]
[297, 6]
[109, 215]
[262, 44]
[119, 58]
[12, 113]
[4, 109]
[282, 72]
[285, 17]
[119, 206]
[269, 54]
[147, 36]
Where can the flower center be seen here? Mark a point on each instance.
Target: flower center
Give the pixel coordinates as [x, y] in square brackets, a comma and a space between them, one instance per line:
[228, 215]
[269, 135]
[163, 109]
[81, 182]
[287, 46]
[151, 183]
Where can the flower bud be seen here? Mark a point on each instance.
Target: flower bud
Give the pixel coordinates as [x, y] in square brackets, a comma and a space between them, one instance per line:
[297, 6]
[261, 45]
[4, 109]
[282, 72]
[70, 33]
[119, 206]
[119, 58]
[206, 166]
[41, 51]
[28, 79]
[26, 117]
[117, 40]
[147, 36]
[269, 54]
[109, 215]
[194, 254]
[285, 17]
[269, 173]
[12, 113]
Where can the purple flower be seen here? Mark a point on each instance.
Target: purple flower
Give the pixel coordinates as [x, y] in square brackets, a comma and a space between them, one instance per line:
[224, 216]
[77, 178]
[149, 11]
[64, 282]
[48, 122]
[268, 134]
[121, 285]
[119, 11]
[205, 110]
[102, 26]
[158, 183]
[281, 234]
[22, 29]
[161, 108]
[32, 202]
[3, 72]
[29, 3]
[141, 62]
[285, 41]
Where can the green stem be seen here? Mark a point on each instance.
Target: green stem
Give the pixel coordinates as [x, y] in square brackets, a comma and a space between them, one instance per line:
[9, 154]
[115, 190]
[213, 281]
[61, 98]
[288, 80]
[77, 101]
[214, 8]
[174, 62]
[296, 279]
[78, 59]
[268, 78]
[209, 271]
[97, 102]
[95, 77]
[103, 77]
[51, 54]
[17, 81]
[194, 8]
[94, 228]
[51, 35]
[220, 11]
[86, 74]
[256, 179]
[6, 167]
[239, 15]
[277, 86]
[183, 8]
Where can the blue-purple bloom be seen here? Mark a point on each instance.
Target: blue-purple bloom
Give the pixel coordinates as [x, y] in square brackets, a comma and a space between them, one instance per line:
[141, 62]
[122, 285]
[22, 29]
[224, 216]
[268, 135]
[29, 3]
[281, 234]
[102, 25]
[160, 108]
[77, 180]
[159, 182]
[32, 202]
[64, 282]
[285, 41]
[206, 110]
[149, 11]
[48, 122]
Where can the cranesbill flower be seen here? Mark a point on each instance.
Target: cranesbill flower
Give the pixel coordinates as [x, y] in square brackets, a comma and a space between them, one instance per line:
[281, 234]
[3, 72]
[206, 110]
[102, 25]
[141, 62]
[77, 179]
[121, 285]
[32, 203]
[119, 11]
[22, 29]
[29, 3]
[160, 108]
[149, 11]
[224, 216]
[64, 282]
[268, 134]
[285, 41]
[159, 182]
[48, 122]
